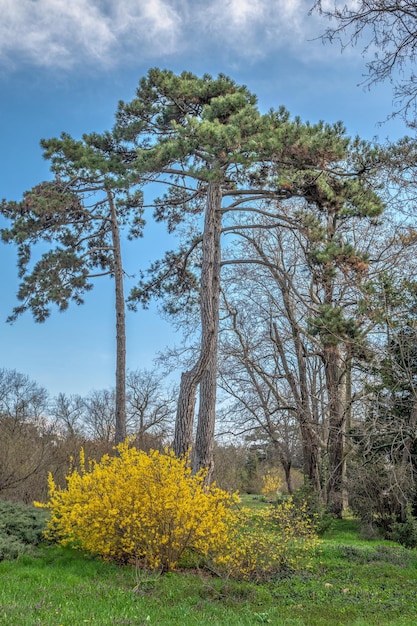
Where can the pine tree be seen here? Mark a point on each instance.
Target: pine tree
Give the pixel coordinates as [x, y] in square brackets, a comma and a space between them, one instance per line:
[78, 215]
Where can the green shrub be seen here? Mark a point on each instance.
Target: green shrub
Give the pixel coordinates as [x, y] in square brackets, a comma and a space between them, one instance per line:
[306, 496]
[377, 496]
[405, 532]
[21, 528]
[377, 553]
[11, 549]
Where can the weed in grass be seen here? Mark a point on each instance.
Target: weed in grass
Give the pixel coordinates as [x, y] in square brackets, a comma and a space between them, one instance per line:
[262, 618]
[232, 592]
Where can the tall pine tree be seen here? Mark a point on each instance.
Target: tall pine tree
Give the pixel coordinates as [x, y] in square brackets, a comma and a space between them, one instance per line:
[78, 216]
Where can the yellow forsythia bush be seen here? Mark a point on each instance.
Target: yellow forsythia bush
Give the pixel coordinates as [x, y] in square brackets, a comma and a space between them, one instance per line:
[271, 484]
[139, 506]
[267, 542]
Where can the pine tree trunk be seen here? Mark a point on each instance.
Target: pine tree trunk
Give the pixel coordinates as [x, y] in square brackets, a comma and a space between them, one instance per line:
[183, 435]
[206, 365]
[347, 420]
[204, 443]
[120, 408]
[332, 367]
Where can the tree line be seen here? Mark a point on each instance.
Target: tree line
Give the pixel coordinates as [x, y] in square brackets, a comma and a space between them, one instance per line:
[41, 434]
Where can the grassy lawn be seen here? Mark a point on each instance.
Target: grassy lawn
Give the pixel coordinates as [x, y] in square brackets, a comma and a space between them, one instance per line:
[353, 582]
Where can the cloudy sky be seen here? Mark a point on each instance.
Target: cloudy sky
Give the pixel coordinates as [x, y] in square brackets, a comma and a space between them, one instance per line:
[64, 65]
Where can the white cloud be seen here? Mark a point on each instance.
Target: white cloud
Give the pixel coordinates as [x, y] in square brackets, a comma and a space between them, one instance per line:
[151, 26]
[255, 27]
[64, 33]
[71, 33]
[240, 14]
[52, 32]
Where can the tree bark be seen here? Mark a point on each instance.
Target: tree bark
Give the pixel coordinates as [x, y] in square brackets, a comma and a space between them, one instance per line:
[332, 366]
[347, 419]
[206, 365]
[286, 466]
[204, 443]
[120, 408]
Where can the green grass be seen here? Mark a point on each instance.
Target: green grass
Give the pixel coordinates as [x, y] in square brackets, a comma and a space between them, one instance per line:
[353, 582]
[252, 502]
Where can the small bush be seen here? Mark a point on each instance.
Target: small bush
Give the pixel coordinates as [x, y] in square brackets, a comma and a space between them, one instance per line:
[398, 556]
[138, 506]
[405, 532]
[21, 528]
[271, 484]
[376, 494]
[309, 500]
[11, 549]
[268, 543]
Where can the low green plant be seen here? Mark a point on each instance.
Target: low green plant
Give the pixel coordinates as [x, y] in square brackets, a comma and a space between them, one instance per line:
[11, 548]
[21, 528]
[306, 496]
[405, 532]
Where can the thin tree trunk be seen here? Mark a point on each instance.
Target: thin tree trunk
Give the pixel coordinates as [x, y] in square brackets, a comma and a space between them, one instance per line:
[207, 361]
[407, 465]
[286, 466]
[300, 393]
[311, 457]
[311, 450]
[120, 420]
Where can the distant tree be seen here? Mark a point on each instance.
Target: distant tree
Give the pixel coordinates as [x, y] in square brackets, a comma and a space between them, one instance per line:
[78, 216]
[259, 403]
[99, 417]
[150, 405]
[387, 32]
[69, 414]
[229, 466]
[25, 433]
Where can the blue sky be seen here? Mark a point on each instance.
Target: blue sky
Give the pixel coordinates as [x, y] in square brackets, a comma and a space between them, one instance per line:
[65, 65]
